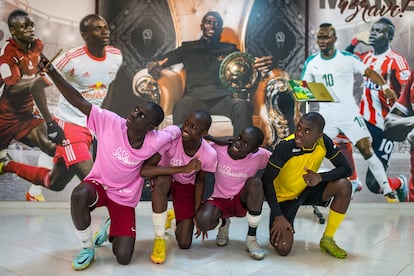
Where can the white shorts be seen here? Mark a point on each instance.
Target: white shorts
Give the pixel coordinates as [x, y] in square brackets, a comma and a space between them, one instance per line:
[350, 123]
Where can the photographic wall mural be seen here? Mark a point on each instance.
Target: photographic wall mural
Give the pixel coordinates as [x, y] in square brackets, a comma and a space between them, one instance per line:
[145, 30]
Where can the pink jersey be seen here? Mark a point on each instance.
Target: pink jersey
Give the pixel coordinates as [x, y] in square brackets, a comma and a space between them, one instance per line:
[117, 165]
[231, 175]
[174, 155]
[394, 69]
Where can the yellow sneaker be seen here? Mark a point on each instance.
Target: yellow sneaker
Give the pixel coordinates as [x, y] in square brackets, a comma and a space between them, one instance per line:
[327, 244]
[170, 217]
[158, 251]
[38, 197]
[391, 198]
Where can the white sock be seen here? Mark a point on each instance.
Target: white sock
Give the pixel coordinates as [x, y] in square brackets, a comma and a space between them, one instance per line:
[219, 224]
[378, 171]
[85, 237]
[159, 220]
[253, 221]
[35, 190]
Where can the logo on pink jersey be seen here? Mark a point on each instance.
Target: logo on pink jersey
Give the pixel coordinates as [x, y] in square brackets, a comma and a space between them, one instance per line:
[123, 156]
[176, 162]
[226, 170]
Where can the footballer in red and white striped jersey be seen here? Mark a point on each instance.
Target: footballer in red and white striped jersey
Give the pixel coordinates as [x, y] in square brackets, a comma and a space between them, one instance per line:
[395, 70]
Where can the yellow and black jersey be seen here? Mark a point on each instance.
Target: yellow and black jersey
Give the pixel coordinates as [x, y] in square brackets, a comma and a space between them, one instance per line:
[288, 163]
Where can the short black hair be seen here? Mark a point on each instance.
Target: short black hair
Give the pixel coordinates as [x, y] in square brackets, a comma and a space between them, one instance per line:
[206, 117]
[316, 118]
[391, 26]
[330, 26]
[158, 109]
[258, 133]
[216, 15]
[84, 24]
[15, 14]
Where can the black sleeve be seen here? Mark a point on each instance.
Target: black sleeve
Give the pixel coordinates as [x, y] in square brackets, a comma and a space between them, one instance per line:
[174, 57]
[342, 168]
[270, 173]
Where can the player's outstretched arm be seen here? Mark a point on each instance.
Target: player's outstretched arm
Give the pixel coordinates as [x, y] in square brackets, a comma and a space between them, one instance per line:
[67, 90]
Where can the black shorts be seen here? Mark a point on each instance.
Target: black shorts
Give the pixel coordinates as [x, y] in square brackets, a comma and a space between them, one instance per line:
[310, 196]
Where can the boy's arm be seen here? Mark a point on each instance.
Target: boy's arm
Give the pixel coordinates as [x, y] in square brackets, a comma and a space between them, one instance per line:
[151, 168]
[65, 88]
[342, 167]
[199, 187]
[69, 92]
[269, 174]
[222, 141]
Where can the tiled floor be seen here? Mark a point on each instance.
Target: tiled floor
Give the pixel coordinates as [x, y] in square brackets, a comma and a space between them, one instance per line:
[38, 239]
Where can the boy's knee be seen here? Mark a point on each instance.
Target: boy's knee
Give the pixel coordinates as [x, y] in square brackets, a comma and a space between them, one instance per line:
[346, 187]
[184, 244]
[201, 220]
[282, 248]
[123, 258]
[79, 193]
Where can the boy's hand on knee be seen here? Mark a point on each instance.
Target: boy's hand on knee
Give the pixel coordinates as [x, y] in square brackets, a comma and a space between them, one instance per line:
[279, 229]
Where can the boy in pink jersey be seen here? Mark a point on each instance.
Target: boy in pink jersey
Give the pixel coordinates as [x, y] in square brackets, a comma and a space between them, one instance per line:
[114, 180]
[399, 124]
[186, 187]
[237, 192]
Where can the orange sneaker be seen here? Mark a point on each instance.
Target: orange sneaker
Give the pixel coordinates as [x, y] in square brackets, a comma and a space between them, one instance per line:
[38, 197]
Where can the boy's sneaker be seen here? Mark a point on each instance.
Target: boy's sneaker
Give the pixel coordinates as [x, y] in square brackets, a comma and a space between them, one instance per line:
[83, 259]
[158, 251]
[391, 197]
[102, 235]
[170, 217]
[254, 249]
[356, 186]
[402, 191]
[223, 234]
[327, 244]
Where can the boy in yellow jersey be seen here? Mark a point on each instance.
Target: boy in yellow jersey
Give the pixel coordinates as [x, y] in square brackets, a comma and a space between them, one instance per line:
[291, 180]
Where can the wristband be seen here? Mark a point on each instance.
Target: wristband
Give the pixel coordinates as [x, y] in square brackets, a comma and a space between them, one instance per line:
[354, 41]
[385, 86]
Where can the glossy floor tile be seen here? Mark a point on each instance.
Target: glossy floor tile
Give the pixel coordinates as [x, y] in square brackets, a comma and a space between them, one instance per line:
[38, 239]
